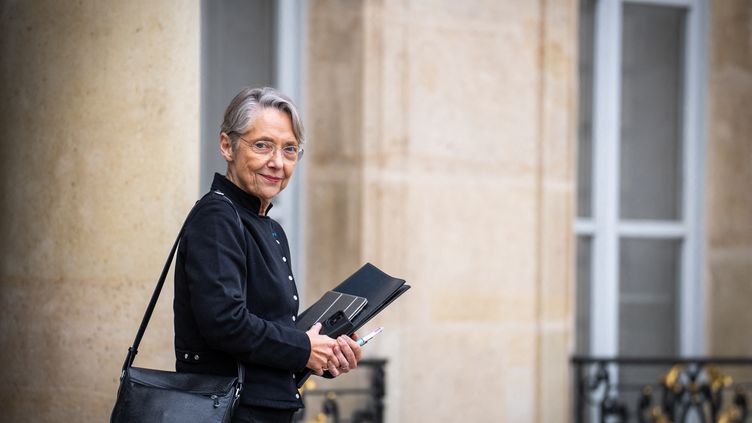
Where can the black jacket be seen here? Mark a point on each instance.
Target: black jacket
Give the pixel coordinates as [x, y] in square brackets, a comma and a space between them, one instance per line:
[218, 259]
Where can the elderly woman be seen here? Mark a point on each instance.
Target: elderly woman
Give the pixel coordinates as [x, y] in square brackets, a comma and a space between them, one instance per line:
[235, 294]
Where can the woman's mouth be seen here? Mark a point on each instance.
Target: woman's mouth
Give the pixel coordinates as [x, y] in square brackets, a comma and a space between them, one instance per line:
[271, 179]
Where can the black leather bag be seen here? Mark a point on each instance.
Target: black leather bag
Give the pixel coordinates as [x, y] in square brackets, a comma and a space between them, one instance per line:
[148, 395]
[157, 396]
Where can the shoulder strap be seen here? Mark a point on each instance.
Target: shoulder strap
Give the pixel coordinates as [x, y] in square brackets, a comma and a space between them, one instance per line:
[133, 350]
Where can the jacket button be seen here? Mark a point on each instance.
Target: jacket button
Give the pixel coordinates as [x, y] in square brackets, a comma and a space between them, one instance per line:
[295, 297]
[289, 277]
[195, 357]
[297, 396]
[293, 318]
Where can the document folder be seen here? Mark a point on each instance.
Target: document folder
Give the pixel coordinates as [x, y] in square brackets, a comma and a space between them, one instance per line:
[369, 282]
[374, 285]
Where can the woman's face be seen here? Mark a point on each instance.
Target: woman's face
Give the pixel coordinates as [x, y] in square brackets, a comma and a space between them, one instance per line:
[264, 176]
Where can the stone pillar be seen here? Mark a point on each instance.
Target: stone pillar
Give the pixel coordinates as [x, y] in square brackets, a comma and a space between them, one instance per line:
[442, 139]
[729, 179]
[99, 162]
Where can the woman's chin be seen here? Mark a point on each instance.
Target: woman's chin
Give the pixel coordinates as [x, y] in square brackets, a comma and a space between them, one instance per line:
[269, 193]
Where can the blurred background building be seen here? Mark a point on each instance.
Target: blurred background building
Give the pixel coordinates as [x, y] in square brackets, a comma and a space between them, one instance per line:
[553, 178]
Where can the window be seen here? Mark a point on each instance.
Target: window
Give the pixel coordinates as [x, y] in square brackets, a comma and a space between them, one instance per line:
[251, 43]
[639, 199]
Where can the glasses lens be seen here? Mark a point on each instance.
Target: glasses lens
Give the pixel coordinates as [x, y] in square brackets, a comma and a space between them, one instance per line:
[262, 147]
[290, 152]
[266, 148]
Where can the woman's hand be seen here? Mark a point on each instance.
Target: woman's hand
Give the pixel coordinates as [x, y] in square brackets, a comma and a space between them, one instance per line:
[347, 354]
[322, 350]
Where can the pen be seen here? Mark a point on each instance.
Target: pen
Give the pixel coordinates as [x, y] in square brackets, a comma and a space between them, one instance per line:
[362, 341]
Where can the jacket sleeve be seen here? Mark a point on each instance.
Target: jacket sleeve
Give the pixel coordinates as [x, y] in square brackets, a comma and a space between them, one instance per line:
[215, 268]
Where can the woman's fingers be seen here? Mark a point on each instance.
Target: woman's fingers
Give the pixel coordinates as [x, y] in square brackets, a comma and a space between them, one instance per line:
[315, 329]
[343, 366]
[332, 368]
[322, 350]
[336, 356]
[350, 345]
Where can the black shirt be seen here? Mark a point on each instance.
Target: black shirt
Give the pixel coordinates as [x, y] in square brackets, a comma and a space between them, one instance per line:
[220, 258]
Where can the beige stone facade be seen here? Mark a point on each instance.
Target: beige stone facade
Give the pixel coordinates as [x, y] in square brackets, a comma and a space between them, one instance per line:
[442, 149]
[99, 129]
[729, 179]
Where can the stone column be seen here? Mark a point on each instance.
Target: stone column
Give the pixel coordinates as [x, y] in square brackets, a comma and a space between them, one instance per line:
[729, 179]
[99, 162]
[442, 139]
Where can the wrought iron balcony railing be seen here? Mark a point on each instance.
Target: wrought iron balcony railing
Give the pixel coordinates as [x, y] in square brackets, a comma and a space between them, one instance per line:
[337, 401]
[662, 389]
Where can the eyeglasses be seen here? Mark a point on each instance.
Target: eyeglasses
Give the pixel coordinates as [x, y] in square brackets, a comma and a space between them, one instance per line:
[265, 148]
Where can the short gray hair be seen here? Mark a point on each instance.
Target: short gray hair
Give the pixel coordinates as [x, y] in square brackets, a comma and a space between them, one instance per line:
[243, 109]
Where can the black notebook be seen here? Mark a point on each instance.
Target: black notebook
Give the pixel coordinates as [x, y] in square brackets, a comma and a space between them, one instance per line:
[374, 285]
[370, 283]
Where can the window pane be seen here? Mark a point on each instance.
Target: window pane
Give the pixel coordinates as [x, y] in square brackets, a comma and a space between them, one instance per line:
[582, 331]
[238, 50]
[648, 281]
[585, 111]
[651, 112]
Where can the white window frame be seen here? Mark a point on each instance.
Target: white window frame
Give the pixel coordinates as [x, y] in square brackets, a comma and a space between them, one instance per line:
[605, 227]
[289, 71]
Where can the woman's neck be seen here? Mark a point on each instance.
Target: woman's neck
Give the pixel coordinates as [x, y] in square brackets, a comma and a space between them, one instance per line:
[230, 175]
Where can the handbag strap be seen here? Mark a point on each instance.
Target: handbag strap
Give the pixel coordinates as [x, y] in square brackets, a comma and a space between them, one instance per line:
[133, 350]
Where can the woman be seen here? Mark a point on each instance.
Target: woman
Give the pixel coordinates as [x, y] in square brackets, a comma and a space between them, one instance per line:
[235, 294]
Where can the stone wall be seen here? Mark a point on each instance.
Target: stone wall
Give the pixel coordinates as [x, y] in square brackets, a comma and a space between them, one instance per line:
[442, 138]
[729, 178]
[442, 146]
[99, 162]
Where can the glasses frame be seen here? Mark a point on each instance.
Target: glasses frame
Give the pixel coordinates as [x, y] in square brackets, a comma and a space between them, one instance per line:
[275, 148]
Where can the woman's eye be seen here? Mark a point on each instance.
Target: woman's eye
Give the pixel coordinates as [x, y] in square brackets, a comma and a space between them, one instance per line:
[261, 146]
[290, 149]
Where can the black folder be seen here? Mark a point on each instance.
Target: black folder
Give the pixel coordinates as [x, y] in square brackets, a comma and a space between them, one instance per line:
[369, 282]
[376, 286]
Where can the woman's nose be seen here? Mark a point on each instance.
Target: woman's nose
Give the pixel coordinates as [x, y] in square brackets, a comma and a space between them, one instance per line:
[276, 158]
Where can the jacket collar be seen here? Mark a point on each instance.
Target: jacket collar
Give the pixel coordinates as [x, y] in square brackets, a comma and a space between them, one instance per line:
[246, 200]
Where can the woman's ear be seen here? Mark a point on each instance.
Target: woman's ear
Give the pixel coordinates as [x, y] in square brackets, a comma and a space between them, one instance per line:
[225, 147]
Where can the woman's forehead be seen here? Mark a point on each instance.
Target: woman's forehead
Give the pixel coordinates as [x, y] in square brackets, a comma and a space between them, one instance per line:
[272, 123]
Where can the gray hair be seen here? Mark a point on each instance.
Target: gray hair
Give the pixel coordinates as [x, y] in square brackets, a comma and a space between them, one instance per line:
[243, 109]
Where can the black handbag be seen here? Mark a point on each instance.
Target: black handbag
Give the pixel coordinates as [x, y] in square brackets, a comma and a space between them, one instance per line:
[157, 396]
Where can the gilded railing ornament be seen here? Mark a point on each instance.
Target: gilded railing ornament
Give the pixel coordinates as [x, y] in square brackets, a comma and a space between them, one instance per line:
[691, 390]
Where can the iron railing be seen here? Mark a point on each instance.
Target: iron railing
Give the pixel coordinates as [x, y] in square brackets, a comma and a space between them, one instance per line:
[662, 389]
[327, 402]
